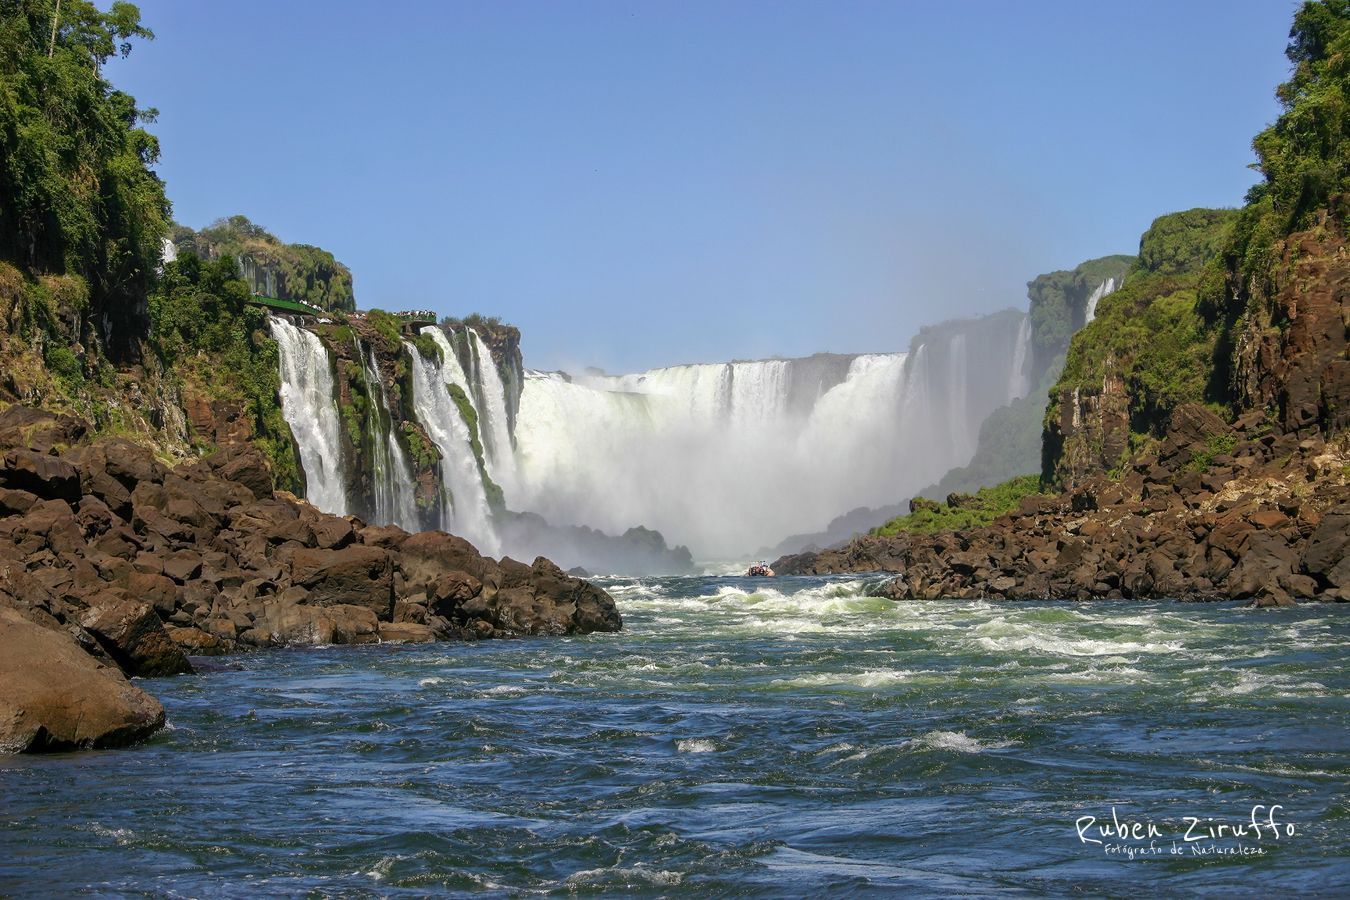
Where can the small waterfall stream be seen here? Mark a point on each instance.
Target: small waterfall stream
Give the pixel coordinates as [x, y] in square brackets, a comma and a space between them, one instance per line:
[309, 403]
[464, 504]
[390, 472]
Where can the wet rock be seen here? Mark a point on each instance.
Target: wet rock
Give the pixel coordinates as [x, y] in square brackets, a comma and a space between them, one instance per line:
[406, 633]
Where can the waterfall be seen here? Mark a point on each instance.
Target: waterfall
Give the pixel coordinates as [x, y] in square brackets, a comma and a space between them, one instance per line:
[729, 457]
[1106, 287]
[309, 405]
[1019, 379]
[464, 504]
[390, 472]
[493, 424]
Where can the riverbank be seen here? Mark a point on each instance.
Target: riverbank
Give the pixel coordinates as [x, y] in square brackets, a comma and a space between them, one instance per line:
[142, 565]
[1214, 512]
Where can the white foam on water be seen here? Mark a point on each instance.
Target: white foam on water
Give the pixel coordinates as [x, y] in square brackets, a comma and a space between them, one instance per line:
[873, 678]
[695, 745]
[958, 741]
[428, 682]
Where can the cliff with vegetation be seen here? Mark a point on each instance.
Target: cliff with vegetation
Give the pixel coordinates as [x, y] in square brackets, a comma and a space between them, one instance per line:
[146, 468]
[1195, 444]
[299, 272]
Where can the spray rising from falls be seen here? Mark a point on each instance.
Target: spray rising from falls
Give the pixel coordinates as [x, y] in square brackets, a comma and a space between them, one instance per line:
[731, 457]
[309, 403]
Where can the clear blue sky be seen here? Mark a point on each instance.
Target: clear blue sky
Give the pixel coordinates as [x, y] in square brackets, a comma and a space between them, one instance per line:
[646, 183]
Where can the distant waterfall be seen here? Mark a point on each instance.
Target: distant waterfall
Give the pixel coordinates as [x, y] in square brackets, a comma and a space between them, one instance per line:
[1019, 379]
[464, 505]
[309, 403]
[730, 457]
[724, 457]
[1106, 287]
[390, 472]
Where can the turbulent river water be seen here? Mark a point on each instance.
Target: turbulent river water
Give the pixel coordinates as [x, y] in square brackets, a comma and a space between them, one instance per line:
[789, 737]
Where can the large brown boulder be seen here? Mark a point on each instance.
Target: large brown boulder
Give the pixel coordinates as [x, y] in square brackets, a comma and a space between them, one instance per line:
[55, 696]
[40, 474]
[356, 575]
[1327, 556]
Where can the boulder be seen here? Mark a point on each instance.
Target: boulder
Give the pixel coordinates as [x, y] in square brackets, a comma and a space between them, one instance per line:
[358, 575]
[58, 697]
[243, 464]
[406, 633]
[1327, 555]
[44, 476]
[134, 636]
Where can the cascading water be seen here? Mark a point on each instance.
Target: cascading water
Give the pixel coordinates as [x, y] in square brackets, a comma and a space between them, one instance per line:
[308, 401]
[464, 505]
[1019, 380]
[724, 457]
[1106, 287]
[390, 475]
[731, 457]
[493, 422]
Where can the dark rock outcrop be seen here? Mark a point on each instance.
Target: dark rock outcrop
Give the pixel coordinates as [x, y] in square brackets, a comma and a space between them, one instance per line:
[146, 564]
[1267, 521]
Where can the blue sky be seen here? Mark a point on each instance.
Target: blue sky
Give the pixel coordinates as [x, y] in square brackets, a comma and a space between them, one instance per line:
[646, 183]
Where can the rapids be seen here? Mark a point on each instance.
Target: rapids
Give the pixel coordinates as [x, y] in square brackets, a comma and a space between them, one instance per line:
[738, 737]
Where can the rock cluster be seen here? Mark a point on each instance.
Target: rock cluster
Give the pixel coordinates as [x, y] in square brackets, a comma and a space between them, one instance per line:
[1214, 512]
[145, 565]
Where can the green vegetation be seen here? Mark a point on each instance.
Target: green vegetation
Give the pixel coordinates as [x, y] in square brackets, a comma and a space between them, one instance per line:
[1181, 243]
[496, 499]
[271, 267]
[428, 347]
[1215, 445]
[388, 327]
[1059, 304]
[77, 194]
[1305, 154]
[971, 511]
[470, 417]
[472, 320]
[424, 453]
[203, 330]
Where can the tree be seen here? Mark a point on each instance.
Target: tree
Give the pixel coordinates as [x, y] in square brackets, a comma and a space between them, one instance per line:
[78, 195]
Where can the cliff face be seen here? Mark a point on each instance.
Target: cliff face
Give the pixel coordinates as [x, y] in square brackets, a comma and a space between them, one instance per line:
[1148, 350]
[1064, 301]
[1290, 350]
[271, 267]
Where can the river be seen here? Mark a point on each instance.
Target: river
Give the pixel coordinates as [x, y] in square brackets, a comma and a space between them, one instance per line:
[757, 738]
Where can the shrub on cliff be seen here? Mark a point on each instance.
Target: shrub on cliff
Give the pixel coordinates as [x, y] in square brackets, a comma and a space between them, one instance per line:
[962, 510]
[203, 330]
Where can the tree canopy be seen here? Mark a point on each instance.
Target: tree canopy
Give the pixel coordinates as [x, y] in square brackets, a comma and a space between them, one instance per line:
[78, 195]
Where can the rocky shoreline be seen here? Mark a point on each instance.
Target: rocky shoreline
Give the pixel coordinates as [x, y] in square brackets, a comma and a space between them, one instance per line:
[1267, 520]
[117, 565]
